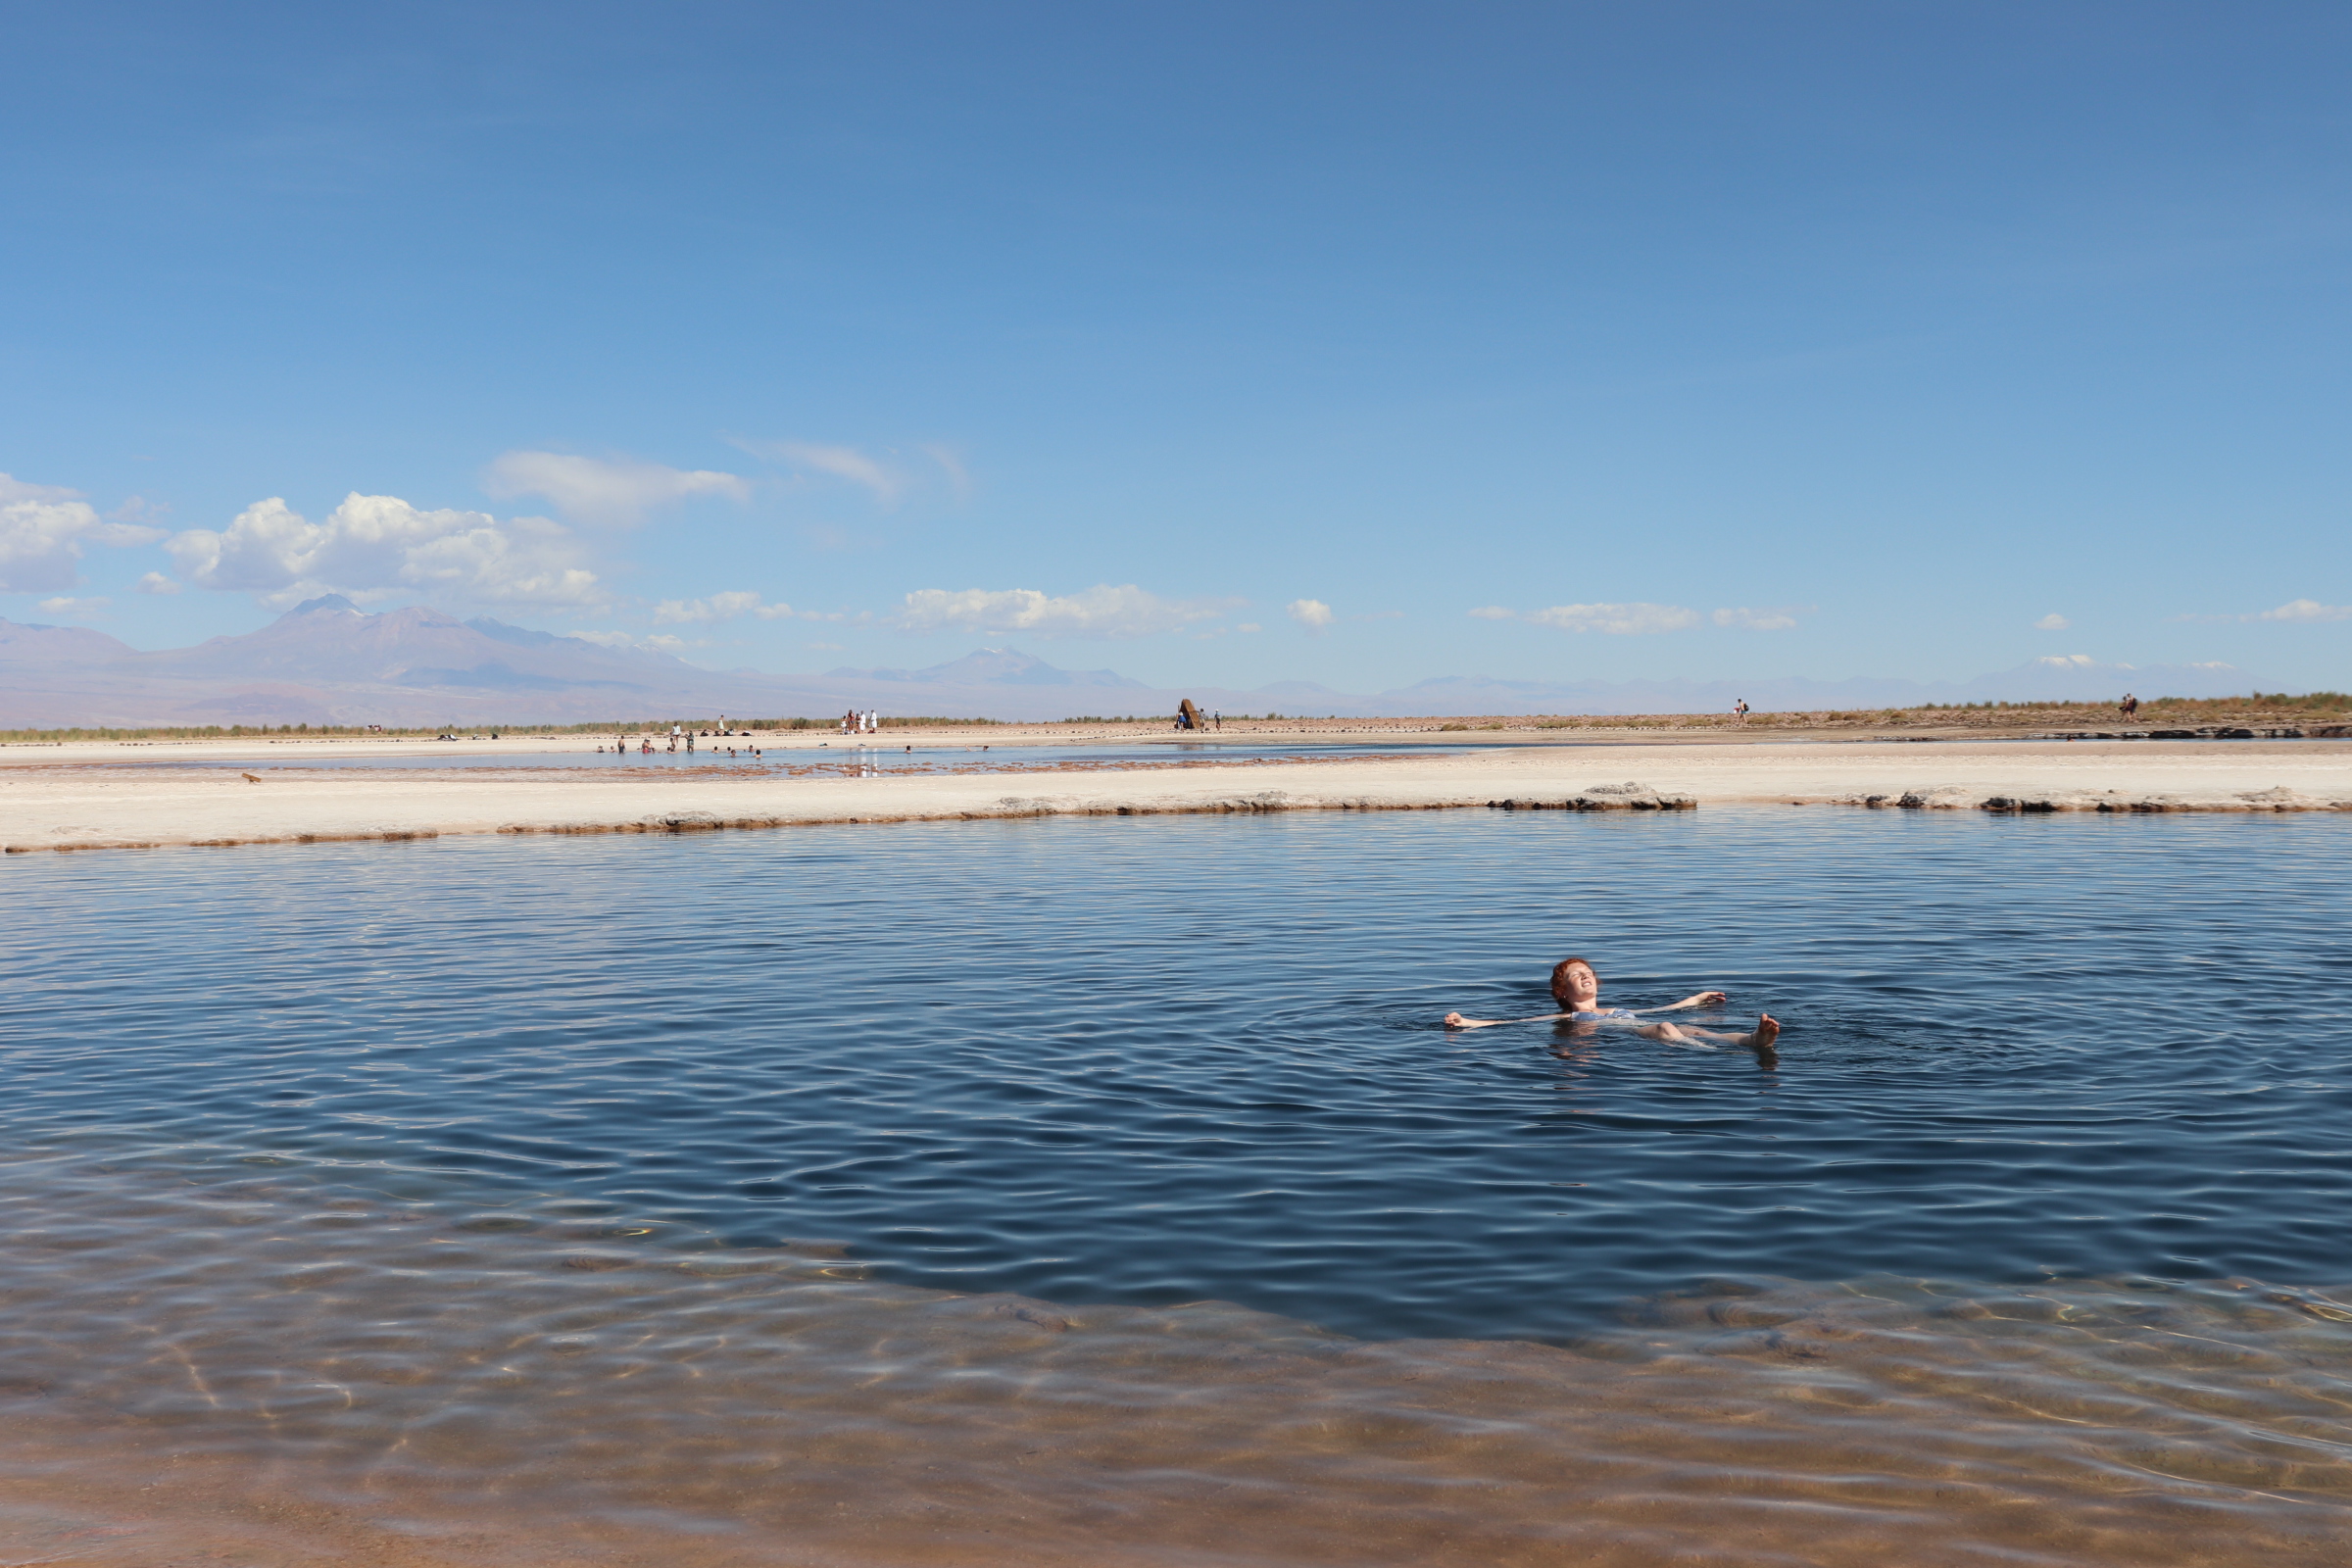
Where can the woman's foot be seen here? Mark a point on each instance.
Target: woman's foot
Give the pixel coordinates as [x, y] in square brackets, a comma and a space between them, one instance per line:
[1768, 1030]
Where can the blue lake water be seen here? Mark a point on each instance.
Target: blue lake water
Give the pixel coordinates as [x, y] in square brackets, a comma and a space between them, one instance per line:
[1156, 1062]
[1110, 1184]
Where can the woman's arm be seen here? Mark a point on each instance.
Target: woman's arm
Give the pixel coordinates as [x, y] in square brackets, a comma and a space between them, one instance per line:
[1454, 1020]
[1705, 998]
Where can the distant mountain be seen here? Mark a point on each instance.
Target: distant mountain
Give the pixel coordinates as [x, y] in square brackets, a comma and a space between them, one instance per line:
[327, 660]
[30, 647]
[331, 638]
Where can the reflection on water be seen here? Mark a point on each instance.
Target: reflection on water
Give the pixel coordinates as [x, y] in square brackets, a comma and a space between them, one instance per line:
[973, 1194]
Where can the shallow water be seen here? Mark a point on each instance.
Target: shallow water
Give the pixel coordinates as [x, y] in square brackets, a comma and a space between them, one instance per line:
[689, 1186]
[832, 756]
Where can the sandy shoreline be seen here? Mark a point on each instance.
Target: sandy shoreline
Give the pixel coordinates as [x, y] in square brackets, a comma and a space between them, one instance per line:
[66, 798]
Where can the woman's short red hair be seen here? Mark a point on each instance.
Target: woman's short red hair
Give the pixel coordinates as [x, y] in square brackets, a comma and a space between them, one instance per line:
[1559, 979]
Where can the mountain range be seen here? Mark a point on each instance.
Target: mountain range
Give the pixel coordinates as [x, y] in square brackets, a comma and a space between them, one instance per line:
[328, 662]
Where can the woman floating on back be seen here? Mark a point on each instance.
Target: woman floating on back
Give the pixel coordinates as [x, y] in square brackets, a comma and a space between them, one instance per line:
[1577, 989]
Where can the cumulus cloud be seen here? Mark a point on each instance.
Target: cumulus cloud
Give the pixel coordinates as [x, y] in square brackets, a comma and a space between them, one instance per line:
[1618, 620]
[2304, 609]
[375, 544]
[62, 606]
[42, 530]
[719, 607]
[1101, 611]
[1312, 613]
[2052, 622]
[1780, 619]
[612, 492]
[155, 583]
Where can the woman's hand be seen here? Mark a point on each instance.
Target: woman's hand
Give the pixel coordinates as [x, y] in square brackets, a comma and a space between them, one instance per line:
[1706, 998]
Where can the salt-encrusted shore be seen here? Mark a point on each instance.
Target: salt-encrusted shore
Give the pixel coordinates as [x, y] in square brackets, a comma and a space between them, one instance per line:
[72, 799]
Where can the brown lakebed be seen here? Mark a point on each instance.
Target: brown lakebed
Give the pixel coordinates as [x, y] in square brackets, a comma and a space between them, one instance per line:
[301, 1376]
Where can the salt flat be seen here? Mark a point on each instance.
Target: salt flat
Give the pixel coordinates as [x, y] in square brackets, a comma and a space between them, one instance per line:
[81, 796]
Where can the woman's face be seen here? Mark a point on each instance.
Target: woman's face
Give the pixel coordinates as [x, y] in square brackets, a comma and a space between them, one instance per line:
[1581, 981]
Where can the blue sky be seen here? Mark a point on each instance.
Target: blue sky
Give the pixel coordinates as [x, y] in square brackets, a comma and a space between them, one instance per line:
[1218, 343]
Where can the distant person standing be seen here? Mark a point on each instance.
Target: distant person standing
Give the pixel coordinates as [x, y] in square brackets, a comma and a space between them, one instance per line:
[2129, 707]
[1739, 711]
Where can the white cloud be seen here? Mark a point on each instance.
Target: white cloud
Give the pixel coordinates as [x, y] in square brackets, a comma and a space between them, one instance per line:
[42, 530]
[2071, 662]
[1101, 611]
[378, 544]
[1312, 613]
[155, 583]
[719, 607]
[1618, 620]
[139, 509]
[886, 482]
[1645, 619]
[959, 480]
[62, 606]
[2305, 610]
[615, 492]
[846, 463]
[1248, 625]
[2052, 622]
[1779, 619]
[658, 643]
